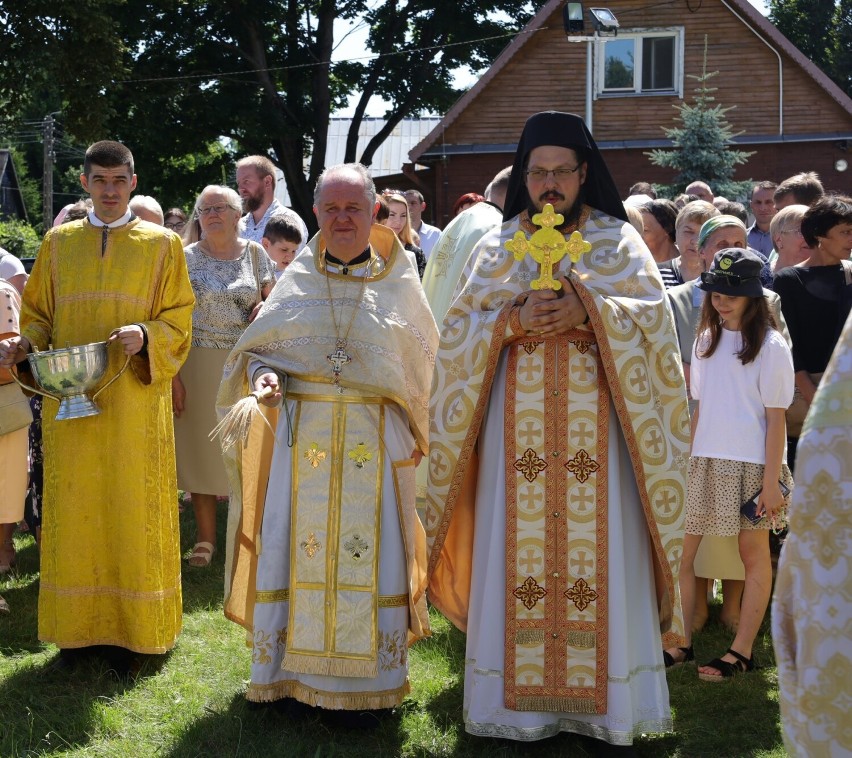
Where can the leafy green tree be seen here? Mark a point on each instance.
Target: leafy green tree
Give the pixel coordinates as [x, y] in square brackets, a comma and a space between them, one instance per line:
[19, 238]
[822, 30]
[702, 145]
[188, 85]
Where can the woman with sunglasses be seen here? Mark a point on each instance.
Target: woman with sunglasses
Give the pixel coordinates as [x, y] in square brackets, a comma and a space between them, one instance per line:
[742, 382]
[230, 277]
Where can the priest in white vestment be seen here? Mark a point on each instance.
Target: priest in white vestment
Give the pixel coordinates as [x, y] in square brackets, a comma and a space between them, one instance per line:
[812, 606]
[558, 451]
[326, 554]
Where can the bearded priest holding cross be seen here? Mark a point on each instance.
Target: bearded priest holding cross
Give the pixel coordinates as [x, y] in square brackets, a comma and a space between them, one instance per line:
[558, 450]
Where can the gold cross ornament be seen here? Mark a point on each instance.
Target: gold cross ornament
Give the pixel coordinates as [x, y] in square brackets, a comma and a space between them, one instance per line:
[547, 246]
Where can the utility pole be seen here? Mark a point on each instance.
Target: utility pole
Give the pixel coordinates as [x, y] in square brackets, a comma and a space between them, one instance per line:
[49, 156]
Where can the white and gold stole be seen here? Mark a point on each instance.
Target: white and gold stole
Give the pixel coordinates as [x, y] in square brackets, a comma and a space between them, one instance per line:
[338, 462]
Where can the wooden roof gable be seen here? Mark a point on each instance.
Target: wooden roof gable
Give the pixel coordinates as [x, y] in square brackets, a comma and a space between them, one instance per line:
[521, 46]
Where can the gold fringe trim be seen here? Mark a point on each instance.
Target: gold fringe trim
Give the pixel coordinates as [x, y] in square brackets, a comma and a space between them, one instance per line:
[582, 640]
[556, 704]
[349, 701]
[323, 665]
[283, 596]
[529, 636]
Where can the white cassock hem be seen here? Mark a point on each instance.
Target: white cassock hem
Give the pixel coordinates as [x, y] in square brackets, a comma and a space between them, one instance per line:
[637, 692]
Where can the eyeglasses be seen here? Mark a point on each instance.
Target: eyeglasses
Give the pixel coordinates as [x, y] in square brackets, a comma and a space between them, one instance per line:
[175, 226]
[541, 174]
[796, 232]
[217, 209]
[732, 280]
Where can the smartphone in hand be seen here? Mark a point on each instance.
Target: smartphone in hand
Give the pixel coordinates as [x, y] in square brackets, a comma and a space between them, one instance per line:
[749, 507]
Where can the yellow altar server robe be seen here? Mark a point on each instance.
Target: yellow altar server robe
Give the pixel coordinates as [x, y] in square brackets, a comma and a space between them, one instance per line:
[110, 562]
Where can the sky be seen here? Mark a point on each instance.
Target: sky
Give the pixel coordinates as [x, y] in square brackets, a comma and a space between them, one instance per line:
[352, 45]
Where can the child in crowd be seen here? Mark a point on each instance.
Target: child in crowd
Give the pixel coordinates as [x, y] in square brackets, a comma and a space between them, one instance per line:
[281, 240]
[742, 379]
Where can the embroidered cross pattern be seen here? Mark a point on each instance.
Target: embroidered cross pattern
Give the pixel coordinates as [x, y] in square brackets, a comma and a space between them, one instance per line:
[582, 466]
[581, 594]
[529, 593]
[360, 455]
[530, 465]
[311, 546]
[314, 455]
[355, 546]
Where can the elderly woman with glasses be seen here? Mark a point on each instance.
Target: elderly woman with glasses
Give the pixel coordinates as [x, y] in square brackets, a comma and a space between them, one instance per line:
[230, 278]
[789, 245]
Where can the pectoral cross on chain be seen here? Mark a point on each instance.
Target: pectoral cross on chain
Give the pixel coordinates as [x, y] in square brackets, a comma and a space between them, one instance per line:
[338, 359]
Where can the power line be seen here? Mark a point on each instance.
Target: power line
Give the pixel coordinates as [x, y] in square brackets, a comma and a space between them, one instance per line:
[315, 64]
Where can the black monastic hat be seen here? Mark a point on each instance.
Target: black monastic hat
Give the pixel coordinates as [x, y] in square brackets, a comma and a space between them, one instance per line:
[563, 130]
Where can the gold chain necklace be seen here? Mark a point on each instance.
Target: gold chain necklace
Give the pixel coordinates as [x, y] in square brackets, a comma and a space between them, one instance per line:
[339, 358]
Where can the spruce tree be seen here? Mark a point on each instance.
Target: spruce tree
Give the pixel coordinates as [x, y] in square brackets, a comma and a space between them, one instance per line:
[702, 145]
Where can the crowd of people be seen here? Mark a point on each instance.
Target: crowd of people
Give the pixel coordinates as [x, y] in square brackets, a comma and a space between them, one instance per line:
[605, 432]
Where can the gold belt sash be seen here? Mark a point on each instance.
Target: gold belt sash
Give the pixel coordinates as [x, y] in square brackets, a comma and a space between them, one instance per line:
[557, 421]
[337, 475]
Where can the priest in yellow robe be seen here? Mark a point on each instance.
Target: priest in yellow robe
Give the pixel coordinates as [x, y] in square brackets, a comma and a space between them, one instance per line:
[558, 450]
[110, 563]
[326, 554]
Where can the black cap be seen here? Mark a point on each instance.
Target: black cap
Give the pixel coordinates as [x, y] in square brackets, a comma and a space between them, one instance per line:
[736, 272]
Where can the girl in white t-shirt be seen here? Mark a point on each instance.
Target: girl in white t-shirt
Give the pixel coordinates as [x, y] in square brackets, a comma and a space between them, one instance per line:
[742, 379]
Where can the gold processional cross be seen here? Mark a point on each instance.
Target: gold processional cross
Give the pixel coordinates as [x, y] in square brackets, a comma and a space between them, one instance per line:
[547, 246]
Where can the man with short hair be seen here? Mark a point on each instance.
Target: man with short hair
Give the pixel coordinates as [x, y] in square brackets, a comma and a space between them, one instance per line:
[643, 188]
[558, 454]
[428, 234]
[256, 185]
[110, 543]
[701, 190]
[337, 592]
[763, 209]
[147, 208]
[804, 188]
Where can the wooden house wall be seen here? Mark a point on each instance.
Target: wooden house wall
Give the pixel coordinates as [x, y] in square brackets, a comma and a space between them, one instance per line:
[549, 72]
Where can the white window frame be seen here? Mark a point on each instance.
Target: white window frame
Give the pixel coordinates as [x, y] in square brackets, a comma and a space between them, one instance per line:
[637, 35]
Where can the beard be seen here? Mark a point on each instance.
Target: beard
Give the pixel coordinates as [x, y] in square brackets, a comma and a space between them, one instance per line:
[252, 202]
[571, 215]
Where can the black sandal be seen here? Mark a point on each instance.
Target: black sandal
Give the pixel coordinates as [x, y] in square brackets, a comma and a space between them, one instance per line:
[669, 660]
[726, 669]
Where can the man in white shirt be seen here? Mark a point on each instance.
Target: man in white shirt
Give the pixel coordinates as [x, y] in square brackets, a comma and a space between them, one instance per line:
[428, 234]
[256, 185]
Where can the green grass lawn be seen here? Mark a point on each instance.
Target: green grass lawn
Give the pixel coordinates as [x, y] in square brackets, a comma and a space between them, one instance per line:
[191, 702]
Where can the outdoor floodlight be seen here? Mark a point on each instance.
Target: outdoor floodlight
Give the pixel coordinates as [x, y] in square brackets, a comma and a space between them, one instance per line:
[572, 18]
[604, 21]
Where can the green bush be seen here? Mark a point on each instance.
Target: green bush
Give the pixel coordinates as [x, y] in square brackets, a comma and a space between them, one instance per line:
[19, 238]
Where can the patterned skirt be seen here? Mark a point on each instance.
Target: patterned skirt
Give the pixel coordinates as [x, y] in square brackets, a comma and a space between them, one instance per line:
[716, 490]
